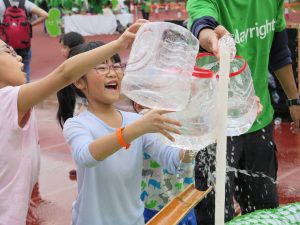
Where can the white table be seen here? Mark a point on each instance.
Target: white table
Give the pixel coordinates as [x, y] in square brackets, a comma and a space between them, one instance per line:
[125, 18]
[88, 25]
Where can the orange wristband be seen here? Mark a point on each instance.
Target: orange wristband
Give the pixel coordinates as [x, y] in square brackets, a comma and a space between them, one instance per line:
[121, 139]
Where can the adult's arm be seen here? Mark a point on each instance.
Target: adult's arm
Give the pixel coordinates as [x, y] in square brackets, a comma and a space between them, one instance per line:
[42, 15]
[281, 63]
[203, 22]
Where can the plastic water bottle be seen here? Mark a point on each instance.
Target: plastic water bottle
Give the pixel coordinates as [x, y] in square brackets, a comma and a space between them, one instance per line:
[198, 128]
[160, 66]
[277, 121]
[242, 106]
[277, 125]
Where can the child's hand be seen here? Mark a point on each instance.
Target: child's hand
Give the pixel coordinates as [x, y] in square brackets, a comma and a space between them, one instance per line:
[154, 121]
[187, 156]
[126, 39]
[32, 217]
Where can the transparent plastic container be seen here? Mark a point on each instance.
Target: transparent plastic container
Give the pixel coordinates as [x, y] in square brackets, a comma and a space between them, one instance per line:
[198, 128]
[242, 106]
[160, 66]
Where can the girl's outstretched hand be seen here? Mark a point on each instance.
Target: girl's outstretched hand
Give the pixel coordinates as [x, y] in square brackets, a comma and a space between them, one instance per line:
[32, 217]
[154, 121]
[126, 39]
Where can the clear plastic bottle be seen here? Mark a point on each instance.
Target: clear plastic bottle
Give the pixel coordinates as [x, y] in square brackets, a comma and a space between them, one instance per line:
[198, 119]
[242, 106]
[160, 65]
[277, 121]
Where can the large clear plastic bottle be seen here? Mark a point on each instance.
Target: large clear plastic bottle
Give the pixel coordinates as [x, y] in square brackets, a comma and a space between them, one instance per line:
[242, 106]
[198, 128]
[160, 65]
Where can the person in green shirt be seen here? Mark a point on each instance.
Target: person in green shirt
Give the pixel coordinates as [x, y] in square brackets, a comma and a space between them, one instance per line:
[145, 6]
[258, 28]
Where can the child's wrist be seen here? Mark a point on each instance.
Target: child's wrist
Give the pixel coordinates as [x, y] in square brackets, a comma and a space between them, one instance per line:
[121, 139]
[117, 45]
[187, 156]
[140, 127]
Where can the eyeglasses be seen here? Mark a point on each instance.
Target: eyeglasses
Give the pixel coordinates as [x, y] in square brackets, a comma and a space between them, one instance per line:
[104, 69]
[8, 49]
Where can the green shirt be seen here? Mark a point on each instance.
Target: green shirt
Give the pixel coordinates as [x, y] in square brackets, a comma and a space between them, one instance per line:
[146, 5]
[252, 23]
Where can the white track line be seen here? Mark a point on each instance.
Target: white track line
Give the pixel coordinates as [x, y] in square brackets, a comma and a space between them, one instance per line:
[54, 146]
[288, 173]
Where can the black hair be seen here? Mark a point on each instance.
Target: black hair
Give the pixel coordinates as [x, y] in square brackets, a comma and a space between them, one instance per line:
[67, 96]
[89, 46]
[71, 39]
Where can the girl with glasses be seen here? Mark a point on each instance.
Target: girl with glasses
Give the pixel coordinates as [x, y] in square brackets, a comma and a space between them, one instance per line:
[108, 146]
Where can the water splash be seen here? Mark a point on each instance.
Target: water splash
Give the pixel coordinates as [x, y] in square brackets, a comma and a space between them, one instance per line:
[250, 173]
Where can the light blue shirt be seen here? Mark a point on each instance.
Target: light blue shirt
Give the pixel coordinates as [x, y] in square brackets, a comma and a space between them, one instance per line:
[109, 190]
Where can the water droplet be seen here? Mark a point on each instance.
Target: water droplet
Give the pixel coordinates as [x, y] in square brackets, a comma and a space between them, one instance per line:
[277, 121]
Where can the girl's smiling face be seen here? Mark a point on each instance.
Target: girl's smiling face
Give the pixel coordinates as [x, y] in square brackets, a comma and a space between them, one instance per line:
[102, 84]
[11, 69]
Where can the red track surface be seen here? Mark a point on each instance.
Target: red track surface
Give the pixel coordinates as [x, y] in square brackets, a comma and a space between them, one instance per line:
[58, 191]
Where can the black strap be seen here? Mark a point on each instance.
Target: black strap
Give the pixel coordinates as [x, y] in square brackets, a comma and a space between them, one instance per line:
[7, 3]
[291, 102]
[22, 5]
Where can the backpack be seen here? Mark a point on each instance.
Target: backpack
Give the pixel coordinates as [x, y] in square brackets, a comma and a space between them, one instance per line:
[15, 28]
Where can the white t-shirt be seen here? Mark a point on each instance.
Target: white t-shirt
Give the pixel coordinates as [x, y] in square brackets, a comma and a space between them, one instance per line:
[28, 6]
[19, 159]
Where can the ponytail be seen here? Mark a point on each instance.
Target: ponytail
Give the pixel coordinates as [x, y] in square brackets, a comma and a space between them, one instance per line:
[66, 104]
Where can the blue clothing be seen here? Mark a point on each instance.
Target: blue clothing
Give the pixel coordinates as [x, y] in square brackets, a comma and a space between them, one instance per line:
[189, 219]
[26, 61]
[203, 22]
[109, 190]
[26, 58]
[280, 54]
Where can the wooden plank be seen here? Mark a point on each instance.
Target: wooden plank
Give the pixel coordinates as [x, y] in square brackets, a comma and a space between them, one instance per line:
[179, 207]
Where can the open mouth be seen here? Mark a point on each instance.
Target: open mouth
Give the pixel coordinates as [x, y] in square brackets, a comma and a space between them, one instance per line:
[112, 86]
